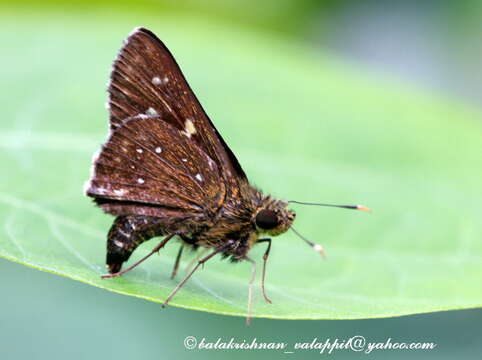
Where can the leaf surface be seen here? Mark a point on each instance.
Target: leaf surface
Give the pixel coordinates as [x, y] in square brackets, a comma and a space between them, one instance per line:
[303, 126]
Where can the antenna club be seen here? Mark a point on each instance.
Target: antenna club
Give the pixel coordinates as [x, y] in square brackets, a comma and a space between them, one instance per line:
[319, 249]
[364, 208]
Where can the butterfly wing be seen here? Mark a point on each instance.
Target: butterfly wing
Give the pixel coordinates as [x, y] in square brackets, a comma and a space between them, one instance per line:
[149, 167]
[147, 80]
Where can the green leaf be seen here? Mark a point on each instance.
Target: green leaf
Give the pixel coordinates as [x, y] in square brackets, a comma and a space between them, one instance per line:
[304, 127]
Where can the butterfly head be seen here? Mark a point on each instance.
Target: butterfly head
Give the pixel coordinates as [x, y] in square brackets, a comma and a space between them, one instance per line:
[273, 217]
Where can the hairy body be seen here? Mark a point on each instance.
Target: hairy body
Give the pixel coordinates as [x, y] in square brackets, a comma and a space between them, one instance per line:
[233, 221]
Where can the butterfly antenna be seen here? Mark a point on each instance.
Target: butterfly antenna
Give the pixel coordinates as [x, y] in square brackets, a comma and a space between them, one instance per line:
[352, 207]
[316, 247]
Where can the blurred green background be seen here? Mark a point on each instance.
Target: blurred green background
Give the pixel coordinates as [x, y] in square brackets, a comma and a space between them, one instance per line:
[433, 47]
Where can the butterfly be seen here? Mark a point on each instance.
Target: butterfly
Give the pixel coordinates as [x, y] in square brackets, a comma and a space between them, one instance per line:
[165, 171]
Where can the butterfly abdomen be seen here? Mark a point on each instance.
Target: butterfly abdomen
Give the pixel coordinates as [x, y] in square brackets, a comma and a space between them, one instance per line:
[126, 234]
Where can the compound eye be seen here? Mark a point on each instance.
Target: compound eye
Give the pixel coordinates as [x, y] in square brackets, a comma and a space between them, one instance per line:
[267, 219]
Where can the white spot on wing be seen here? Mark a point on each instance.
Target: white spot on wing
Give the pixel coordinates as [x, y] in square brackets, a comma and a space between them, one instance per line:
[140, 181]
[156, 80]
[158, 150]
[189, 128]
[143, 116]
[211, 163]
[140, 151]
[151, 111]
[184, 159]
[119, 192]
[199, 177]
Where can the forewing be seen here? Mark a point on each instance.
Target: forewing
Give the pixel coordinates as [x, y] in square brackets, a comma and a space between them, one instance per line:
[148, 161]
[147, 80]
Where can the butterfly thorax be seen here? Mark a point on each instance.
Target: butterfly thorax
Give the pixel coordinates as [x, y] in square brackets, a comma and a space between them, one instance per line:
[244, 220]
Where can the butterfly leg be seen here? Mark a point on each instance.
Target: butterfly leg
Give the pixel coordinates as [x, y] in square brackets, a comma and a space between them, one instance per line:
[125, 235]
[200, 262]
[153, 251]
[265, 259]
[176, 263]
[250, 289]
